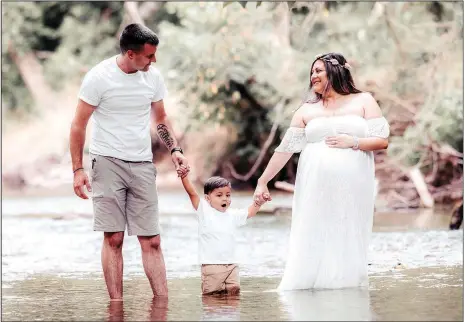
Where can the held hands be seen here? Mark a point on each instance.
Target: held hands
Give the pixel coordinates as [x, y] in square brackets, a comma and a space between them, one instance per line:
[261, 195]
[183, 171]
[80, 180]
[342, 141]
[180, 163]
[258, 202]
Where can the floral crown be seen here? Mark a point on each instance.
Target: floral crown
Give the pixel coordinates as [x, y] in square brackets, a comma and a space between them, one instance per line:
[333, 61]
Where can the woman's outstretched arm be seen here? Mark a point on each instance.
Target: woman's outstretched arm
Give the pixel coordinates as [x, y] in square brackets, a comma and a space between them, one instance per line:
[293, 141]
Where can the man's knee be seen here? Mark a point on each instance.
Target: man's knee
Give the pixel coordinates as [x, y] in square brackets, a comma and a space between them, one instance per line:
[150, 242]
[114, 240]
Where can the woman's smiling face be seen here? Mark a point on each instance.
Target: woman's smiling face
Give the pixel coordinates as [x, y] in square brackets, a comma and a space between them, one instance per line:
[318, 77]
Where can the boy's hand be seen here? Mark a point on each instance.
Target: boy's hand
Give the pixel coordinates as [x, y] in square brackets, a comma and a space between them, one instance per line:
[259, 203]
[182, 171]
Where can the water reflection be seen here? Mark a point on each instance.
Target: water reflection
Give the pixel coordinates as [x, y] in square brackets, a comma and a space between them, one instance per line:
[115, 311]
[157, 311]
[224, 307]
[335, 305]
[416, 294]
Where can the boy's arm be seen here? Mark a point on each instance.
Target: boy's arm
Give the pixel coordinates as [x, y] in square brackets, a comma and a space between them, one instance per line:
[193, 195]
[254, 208]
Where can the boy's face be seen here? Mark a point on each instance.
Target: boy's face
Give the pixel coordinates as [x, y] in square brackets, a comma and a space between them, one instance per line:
[220, 198]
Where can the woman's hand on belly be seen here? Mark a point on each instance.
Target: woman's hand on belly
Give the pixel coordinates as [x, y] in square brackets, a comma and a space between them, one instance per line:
[341, 141]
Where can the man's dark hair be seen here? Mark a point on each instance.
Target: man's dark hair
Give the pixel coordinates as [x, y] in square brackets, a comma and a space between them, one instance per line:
[215, 183]
[135, 36]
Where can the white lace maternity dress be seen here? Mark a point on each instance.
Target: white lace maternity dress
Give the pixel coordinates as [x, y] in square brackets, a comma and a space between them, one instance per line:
[333, 205]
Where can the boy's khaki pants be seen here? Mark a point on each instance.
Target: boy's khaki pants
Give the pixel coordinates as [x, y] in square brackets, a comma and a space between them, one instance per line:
[218, 278]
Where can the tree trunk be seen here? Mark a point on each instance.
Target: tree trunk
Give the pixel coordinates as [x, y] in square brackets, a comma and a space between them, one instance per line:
[32, 74]
[131, 8]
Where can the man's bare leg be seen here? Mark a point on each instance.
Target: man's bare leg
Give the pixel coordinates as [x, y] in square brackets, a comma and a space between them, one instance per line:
[112, 263]
[154, 264]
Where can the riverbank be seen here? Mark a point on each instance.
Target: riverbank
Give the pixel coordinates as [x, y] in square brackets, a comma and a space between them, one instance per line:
[169, 184]
[51, 176]
[60, 203]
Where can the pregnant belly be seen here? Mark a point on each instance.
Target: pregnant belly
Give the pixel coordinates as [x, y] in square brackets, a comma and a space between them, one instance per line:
[336, 161]
[338, 177]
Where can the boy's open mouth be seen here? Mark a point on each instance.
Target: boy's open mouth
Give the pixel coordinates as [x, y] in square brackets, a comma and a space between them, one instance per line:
[223, 205]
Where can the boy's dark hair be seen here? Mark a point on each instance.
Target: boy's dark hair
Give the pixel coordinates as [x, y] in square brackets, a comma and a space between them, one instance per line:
[215, 183]
[135, 36]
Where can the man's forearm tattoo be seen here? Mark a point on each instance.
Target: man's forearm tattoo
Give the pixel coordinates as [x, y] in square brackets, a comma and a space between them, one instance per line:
[165, 136]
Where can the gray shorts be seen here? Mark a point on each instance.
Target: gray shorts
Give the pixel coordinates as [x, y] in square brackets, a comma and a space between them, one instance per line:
[124, 193]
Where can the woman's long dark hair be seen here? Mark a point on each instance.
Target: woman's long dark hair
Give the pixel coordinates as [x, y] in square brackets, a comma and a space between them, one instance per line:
[339, 77]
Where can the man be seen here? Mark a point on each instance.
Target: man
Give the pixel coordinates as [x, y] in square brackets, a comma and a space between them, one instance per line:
[123, 94]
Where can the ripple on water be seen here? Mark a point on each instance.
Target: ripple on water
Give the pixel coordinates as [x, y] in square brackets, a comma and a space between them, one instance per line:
[70, 246]
[49, 297]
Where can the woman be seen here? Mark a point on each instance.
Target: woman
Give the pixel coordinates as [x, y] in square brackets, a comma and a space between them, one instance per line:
[332, 212]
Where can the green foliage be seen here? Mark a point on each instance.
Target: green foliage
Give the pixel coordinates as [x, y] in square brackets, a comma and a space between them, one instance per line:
[210, 61]
[221, 51]
[438, 82]
[97, 39]
[14, 93]
[72, 35]
[25, 31]
[24, 22]
[232, 62]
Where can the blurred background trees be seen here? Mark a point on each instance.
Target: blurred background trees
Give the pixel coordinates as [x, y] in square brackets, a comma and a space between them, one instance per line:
[244, 67]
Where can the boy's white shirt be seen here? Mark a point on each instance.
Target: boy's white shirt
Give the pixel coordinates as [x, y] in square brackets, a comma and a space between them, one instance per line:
[217, 233]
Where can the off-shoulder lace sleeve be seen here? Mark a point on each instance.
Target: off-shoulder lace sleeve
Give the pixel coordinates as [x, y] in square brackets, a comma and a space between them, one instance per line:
[378, 127]
[293, 141]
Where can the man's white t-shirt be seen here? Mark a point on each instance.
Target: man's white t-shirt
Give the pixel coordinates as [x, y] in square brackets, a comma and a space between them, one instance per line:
[217, 233]
[121, 120]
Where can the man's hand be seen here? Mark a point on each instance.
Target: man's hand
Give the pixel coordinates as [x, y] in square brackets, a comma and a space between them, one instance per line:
[342, 141]
[179, 160]
[80, 180]
[77, 137]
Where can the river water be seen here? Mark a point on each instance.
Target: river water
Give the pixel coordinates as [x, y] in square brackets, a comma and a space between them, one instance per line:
[51, 268]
